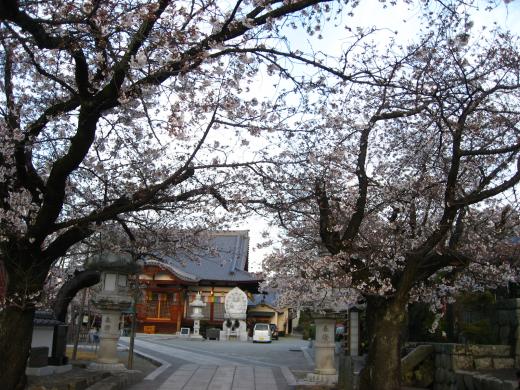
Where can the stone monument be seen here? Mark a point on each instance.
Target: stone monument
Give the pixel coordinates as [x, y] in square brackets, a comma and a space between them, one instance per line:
[111, 301]
[197, 315]
[234, 326]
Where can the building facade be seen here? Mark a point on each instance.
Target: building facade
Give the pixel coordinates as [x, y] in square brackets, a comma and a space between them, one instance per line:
[263, 308]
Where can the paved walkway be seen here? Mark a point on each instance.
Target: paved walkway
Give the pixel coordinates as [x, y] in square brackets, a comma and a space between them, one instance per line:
[196, 377]
[214, 366]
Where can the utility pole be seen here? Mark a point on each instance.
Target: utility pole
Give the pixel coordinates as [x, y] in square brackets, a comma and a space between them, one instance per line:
[136, 292]
[132, 337]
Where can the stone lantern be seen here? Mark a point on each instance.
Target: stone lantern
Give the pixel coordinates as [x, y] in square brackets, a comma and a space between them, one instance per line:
[111, 301]
[197, 315]
[325, 348]
[325, 343]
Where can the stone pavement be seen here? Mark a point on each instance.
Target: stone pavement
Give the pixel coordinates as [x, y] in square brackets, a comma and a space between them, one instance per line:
[197, 377]
[213, 365]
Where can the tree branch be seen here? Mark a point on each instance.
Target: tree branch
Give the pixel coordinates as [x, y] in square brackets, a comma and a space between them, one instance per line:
[81, 280]
[9, 11]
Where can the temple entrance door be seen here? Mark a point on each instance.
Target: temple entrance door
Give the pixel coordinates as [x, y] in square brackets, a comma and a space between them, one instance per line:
[158, 305]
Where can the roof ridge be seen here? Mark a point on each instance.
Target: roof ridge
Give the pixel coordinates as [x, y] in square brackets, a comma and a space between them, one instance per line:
[170, 267]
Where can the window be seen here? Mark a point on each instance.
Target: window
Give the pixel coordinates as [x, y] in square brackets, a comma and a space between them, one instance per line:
[218, 311]
[110, 282]
[206, 311]
[121, 280]
[261, 327]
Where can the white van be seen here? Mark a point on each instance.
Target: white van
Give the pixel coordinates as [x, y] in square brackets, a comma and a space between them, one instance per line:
[261, 333]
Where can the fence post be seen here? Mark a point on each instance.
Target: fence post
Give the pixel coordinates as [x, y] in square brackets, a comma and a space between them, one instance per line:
[79, 324]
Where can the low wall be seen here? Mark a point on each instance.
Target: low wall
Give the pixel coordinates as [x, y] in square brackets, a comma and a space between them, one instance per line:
[453, 358]
[467, 380]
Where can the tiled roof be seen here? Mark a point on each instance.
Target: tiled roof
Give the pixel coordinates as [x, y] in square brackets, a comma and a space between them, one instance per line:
[267, 299]
[224, 258]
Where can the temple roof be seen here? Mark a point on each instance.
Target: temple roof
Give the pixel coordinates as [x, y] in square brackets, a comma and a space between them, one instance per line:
[223, 258]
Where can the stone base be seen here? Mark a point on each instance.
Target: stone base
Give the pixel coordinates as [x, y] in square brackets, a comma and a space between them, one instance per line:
[196, 337]
[47, 370]
[95, 366]
[322, 378]
[61, 369]
[39, 371]
[238, 336]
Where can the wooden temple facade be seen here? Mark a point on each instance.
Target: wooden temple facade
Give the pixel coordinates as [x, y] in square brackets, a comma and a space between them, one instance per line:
[169, 285]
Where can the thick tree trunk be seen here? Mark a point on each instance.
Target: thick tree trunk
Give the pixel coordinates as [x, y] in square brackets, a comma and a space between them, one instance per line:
[385, 319]
[26, 275]
[15, 341]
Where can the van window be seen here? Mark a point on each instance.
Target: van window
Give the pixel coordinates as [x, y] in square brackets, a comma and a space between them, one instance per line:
[262, 327]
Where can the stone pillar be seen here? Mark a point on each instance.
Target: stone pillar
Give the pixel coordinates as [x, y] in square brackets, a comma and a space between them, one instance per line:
[108, 337]
[353, 325]
[180, 310]
[325, 365]
[196, 328]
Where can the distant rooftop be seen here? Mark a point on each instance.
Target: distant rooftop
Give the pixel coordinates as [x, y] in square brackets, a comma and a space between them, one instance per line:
[267, 298]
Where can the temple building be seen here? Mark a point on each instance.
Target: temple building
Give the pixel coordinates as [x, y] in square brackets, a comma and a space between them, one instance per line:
[170, 283]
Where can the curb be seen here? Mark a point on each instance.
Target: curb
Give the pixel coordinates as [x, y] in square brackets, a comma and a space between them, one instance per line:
[163, 364]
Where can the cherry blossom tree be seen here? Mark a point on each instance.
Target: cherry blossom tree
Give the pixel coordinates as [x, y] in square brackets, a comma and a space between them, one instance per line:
[402, 186]
[127, 115]
[107, 109]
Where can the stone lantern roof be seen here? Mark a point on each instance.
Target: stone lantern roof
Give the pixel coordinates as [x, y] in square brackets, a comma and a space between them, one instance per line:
[106, 261]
